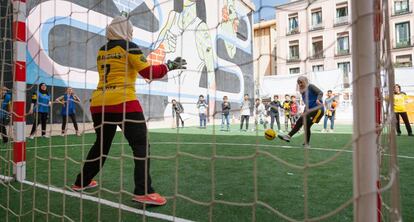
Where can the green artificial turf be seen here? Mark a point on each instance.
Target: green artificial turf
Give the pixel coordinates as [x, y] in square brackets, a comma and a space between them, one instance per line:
[228, 176]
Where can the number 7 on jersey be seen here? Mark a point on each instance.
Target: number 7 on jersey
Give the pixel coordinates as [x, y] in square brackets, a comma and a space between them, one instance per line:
[106, 69]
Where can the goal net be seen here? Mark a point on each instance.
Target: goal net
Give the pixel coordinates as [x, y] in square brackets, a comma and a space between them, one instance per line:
[208, 163]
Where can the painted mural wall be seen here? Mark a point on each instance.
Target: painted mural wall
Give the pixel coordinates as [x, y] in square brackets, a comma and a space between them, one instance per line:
[215, 37]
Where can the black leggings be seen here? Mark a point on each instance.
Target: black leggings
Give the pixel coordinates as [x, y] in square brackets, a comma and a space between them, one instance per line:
[43, 119]
[311, 118]
[3, 131]
[65, 120]
[244, 117]
[135, 133]
[404, 117]
[178, 119]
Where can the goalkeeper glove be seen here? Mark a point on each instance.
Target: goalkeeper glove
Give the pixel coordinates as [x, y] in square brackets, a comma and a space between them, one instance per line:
[178, 63]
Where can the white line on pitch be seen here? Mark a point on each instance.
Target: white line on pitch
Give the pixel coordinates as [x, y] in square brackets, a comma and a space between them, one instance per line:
[229, 144]
[6, 178]
[107, 202]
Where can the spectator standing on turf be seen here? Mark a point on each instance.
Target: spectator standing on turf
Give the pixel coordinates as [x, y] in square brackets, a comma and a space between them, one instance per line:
[245, 112]
[40, 107]
[177, 110]
[202, 111]
[6, 98]
[225, 113]
[312, 98]
[286, 108]
[259, 114]
[400, 109]
[68, 101]
[274, 112]
[330, 107]
[115, 104]
[294, 111]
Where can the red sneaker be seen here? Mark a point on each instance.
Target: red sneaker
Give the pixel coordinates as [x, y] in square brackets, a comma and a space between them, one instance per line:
[92, 184]
[153, 199]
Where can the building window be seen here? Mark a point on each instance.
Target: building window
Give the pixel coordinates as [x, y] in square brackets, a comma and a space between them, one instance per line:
[294, 70]
[293, 24]
[316, 18]
[345, 68]
[402, 34]
[317, 68]
[317, 47]
[294, 50]
[401, 7]
[341, 13]
[403, 61]
[343, 43]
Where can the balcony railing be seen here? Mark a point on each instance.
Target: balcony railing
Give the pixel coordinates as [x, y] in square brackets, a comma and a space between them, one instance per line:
[293, 59]
[342, 52]
[293, 31]
[317, 56]
[317, 27]
[344, 20]
[403, 64]
[404, 44]
[401, 12]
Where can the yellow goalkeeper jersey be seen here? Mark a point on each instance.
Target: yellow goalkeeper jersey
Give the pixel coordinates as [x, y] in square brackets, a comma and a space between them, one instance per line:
[118, 63]
[399, 102]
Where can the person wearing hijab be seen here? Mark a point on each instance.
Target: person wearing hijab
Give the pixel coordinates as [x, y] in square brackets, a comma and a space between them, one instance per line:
[312, 98]
[114, 103]
[40, 108]
[400, 109]
[6, 99]
[68, 101]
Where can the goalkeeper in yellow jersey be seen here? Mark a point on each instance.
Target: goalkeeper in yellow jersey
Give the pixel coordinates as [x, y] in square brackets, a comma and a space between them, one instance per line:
[114, 103]
[400, 109]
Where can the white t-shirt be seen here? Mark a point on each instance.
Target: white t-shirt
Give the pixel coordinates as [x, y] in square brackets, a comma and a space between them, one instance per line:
[245, 108]
[259, 110]
[202, 107]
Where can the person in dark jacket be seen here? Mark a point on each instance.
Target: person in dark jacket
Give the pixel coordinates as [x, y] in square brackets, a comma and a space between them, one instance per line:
[177, 109]
[274, 112]
[225, 113]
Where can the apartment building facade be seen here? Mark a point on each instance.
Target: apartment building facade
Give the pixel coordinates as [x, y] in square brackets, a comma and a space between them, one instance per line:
[318, 36]
[264, 51]
[401, 23]
[315, 37]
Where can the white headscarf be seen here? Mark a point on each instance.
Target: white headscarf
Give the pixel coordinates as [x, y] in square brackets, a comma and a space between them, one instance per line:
[120, 28]
[305, 80]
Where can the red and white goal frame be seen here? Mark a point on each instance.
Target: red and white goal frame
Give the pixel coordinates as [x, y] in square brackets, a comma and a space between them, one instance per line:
[19, 89]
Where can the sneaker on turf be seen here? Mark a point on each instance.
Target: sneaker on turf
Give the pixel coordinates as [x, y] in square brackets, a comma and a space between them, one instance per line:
[305, 145]
[31, 137]
[92, 184]
[153, 199]
[284, 137]
[323, 130]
